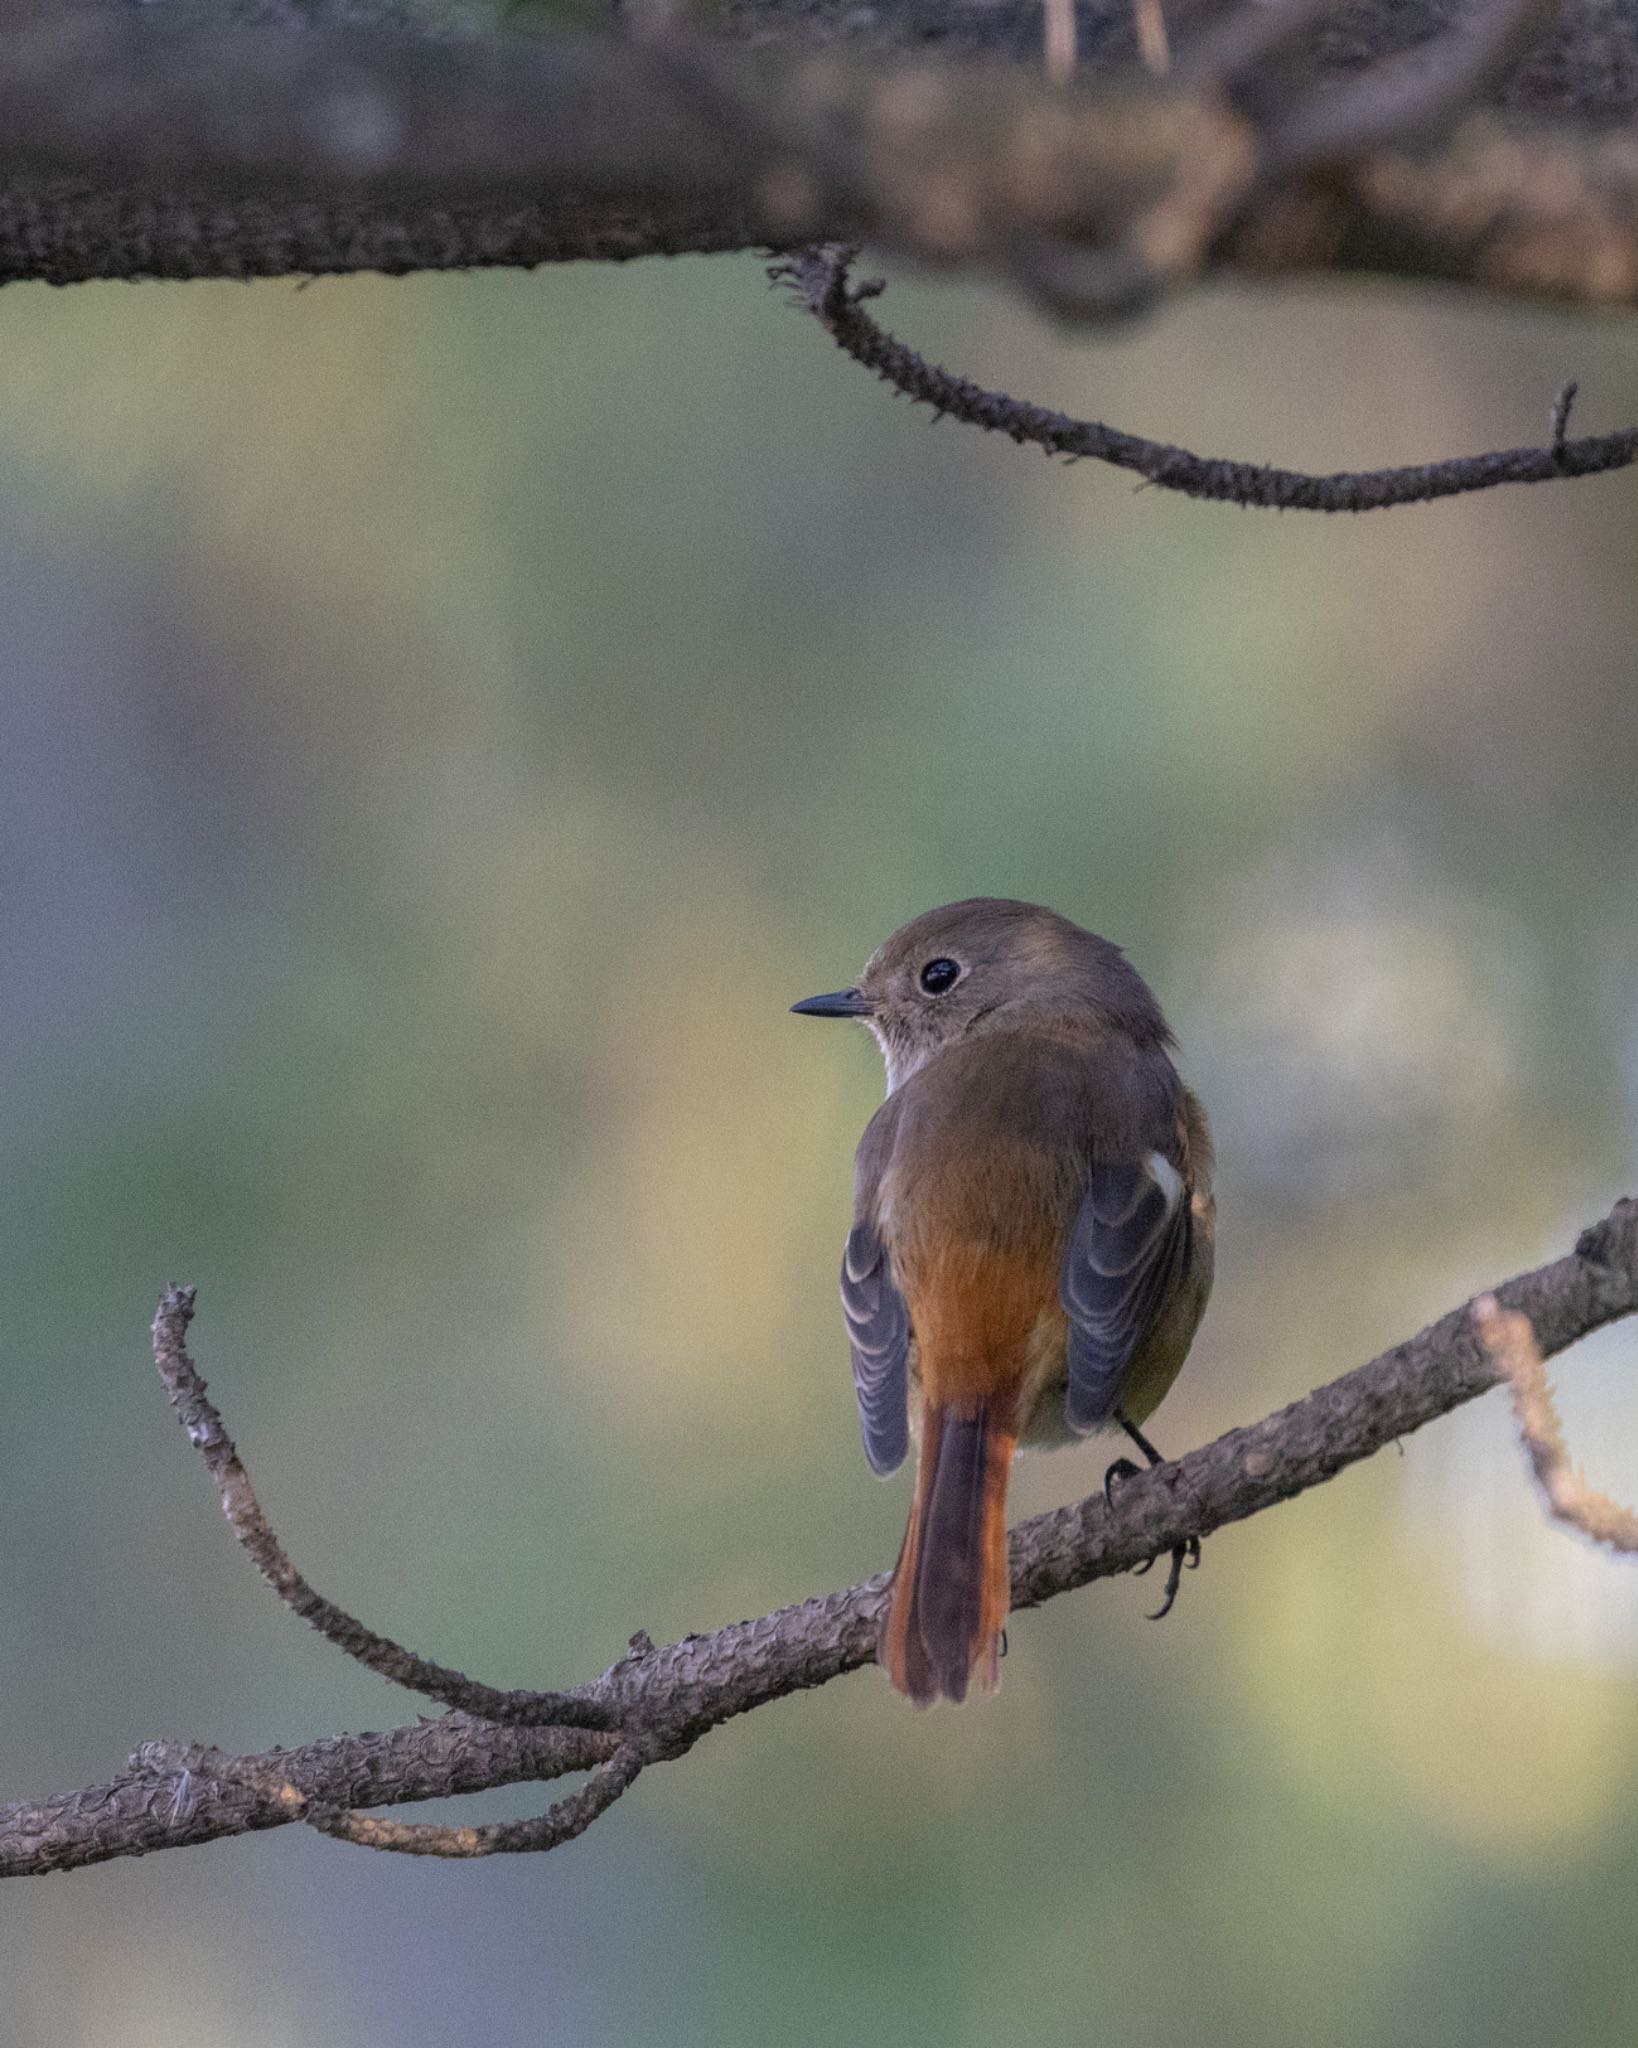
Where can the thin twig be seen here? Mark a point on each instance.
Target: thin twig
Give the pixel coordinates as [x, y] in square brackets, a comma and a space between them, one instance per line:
[198, 1416]
[1561, 417]
[549, 1830]
[1511, 1342]
[820, 277]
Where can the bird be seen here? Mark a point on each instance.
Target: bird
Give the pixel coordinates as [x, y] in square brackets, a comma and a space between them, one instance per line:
[1032, 1244]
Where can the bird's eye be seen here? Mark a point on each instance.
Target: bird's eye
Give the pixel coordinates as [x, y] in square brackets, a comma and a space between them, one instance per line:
[939, 975]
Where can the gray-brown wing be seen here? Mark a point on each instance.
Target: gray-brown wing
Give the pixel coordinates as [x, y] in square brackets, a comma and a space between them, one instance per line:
[1126, 1251]
[878, 1332]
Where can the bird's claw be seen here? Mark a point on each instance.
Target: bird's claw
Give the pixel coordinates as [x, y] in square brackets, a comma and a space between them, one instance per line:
[1185, 1554]
[1123, 1468]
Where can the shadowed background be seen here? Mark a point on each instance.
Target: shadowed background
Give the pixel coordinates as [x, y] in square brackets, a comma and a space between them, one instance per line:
[444, 725]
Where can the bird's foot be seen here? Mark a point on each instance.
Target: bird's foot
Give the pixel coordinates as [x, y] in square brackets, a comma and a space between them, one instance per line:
[1184, 1555]
[1123, 1468]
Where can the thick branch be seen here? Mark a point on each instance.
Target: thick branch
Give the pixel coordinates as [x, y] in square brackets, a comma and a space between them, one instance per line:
[167, 141]
[665, 1699]
[172, 1794]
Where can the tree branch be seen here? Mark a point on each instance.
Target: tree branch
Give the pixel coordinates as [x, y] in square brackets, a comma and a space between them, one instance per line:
[820, 279]
[171, 1794]
[664, 1700]
[172, 141]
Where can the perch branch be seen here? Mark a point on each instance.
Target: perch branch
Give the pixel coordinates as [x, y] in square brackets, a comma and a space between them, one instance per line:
[1511, 1342]
[821, 281]
[665, 1699]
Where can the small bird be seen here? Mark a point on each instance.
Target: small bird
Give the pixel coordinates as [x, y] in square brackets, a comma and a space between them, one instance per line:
[1032, 1243]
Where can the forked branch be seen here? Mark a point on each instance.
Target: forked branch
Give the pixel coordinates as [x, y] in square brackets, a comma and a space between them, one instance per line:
[654, 1704]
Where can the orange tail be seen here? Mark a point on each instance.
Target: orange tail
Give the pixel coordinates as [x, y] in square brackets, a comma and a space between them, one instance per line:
[951, 1590]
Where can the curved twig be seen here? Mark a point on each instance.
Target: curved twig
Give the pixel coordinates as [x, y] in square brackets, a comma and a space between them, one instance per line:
[198, 1416]
[549, 1830]
[820, 277]
[666, 1699]
[1507, 1336]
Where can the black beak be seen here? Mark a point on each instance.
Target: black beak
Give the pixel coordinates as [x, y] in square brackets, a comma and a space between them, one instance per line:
[846, 1002]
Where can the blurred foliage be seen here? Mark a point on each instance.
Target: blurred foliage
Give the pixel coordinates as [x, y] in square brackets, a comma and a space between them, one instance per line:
[447, 723]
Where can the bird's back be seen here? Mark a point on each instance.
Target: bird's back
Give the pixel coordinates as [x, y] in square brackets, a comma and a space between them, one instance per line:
[986, 1152]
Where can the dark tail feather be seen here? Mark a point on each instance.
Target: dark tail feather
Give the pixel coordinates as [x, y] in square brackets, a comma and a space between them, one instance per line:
[951, 1591]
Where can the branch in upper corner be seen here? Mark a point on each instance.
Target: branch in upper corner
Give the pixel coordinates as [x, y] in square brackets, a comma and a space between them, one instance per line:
[820, 277]
[1511, 1342]
[195, 1411]
[184, 142]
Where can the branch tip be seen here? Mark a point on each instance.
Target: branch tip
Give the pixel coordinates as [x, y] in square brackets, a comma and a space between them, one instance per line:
[1561, 416]
[1511, 1343]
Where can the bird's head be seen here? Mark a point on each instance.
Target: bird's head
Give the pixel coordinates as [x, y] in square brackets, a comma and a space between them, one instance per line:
[986, 964]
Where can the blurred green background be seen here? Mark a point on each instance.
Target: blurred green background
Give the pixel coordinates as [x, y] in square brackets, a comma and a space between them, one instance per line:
[444, 725]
